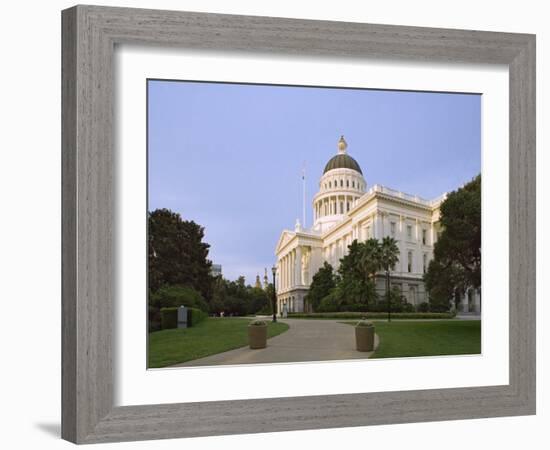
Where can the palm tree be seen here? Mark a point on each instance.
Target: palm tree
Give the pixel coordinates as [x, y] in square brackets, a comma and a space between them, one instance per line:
[388, 258]
[369, 264]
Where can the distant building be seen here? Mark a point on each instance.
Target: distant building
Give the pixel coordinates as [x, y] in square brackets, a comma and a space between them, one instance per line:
[258, 284]
[216, 270]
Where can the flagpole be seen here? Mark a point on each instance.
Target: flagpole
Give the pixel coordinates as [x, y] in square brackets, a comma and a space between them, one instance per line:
[304, 196]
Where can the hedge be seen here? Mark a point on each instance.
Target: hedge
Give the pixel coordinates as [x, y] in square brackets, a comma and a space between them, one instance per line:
[194, 316]
[168, 318]
[370, 315]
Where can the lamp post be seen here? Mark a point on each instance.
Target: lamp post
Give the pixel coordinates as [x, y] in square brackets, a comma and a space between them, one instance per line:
[274, 299]
[388, 287]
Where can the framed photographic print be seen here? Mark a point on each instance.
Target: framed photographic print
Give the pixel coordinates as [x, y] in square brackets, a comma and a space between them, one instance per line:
[255, 209]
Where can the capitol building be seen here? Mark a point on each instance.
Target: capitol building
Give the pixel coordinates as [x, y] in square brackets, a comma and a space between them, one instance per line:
[344, 209]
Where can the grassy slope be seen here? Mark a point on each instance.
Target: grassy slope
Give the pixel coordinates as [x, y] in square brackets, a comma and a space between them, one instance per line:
[213, 335]
[415, 338]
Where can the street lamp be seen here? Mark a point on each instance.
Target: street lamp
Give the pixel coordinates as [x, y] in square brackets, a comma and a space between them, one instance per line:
[274, 298]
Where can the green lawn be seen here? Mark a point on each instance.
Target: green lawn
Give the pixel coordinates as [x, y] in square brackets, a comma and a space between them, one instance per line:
[415, 338]
[211, 336]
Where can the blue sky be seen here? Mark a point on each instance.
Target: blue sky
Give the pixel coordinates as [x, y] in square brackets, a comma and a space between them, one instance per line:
[230, 156]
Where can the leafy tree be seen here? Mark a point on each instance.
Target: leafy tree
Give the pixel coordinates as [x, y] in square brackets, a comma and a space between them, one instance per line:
[174, 296]
[235, 306]
[258, 300]
[332, 302]
[218, 295]
[321, 285]
[351, 280]
[443, 280]
[457, 253]
[270, 292]
[176, 253]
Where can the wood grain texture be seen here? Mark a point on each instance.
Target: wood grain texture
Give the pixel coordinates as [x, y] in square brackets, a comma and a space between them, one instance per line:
[89, 36]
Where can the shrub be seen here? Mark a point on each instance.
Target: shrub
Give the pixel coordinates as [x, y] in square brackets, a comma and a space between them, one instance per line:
[330, 303]
[174, 296]
[423, 307]
[266, 310]
[235, 306]
[344, 315]
[154, 319]
[258, 323]
[364, 323]
[194, 316]
[438, 305]
[169, 318]
[356, 307]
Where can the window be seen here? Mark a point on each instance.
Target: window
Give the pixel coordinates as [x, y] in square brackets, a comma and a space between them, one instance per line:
[347, 183]
[353, 183]
[424, 237]
[392, 229]
[409, 261]
[409, 231]
[424, 262]
[347, 206]
[341, 183]
[341, 207]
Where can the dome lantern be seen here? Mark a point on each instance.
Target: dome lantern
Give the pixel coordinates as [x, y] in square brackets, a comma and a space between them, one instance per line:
[342, 145]
[342, 160]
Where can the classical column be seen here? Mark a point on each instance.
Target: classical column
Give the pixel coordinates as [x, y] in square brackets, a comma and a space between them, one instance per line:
[464, 302]
[282, 274]
[316, 261]
[402, 252]
[385, 225]
[288, 271]
[298, 267]
[292, 268]
[477, 301]
[290, 264]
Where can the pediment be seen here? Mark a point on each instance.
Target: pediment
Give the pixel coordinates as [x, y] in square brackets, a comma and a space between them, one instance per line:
[284, 239]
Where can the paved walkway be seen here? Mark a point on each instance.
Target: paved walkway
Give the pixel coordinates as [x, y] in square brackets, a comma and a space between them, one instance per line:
[305, 340]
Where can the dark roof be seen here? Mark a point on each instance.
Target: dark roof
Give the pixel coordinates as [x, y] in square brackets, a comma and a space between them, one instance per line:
[342, 161]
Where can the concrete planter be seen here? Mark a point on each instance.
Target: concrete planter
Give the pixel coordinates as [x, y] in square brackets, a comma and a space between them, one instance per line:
[257, 336]
[364, 338]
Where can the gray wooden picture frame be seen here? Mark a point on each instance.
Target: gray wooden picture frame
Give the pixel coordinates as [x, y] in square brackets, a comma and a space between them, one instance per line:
[90, 34]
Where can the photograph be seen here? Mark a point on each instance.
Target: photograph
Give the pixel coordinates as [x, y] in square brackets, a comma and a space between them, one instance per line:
[294, 224]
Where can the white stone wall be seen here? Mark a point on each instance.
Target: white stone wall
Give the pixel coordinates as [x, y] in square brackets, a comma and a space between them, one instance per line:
[380, 212]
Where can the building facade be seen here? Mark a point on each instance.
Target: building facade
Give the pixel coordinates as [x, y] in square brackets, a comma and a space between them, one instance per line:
[216, 270]
[345, 209]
